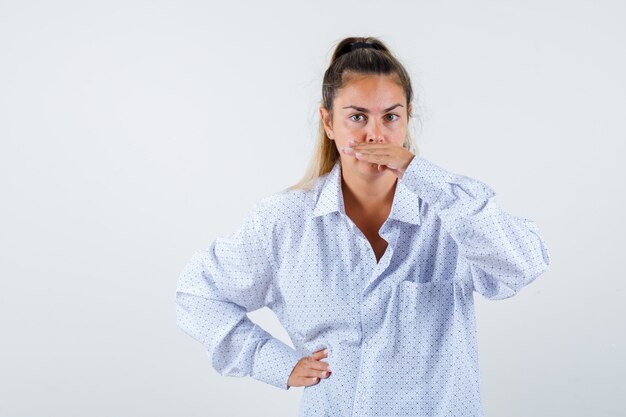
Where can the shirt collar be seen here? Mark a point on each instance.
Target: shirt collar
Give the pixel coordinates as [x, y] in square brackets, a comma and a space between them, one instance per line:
[406, 204]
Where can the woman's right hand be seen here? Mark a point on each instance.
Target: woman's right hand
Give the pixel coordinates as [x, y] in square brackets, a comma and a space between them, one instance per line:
[309, 370]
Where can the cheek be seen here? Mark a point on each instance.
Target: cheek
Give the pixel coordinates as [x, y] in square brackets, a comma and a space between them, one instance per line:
[351, 127]
[395, 132]
[343, 133]
[399, 133]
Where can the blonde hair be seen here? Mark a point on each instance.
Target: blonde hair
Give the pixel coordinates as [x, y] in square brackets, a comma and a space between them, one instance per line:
[346, 63]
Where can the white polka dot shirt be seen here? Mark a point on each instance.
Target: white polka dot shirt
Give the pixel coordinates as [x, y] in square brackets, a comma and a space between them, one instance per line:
[400, 332]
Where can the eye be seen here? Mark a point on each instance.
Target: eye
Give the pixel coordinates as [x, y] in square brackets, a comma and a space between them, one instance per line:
[392, 114]
[356, 115]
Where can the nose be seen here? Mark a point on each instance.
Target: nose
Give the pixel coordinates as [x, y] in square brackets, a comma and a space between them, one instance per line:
[374, 133]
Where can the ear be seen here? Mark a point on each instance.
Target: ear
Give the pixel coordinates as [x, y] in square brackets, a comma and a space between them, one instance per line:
[325, 116]
[410, 108]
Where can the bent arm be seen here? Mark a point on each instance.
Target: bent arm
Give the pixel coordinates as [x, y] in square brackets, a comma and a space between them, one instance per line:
[216, 289]
[503, 252]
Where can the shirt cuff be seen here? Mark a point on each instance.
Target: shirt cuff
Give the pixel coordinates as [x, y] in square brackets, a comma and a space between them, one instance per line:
[425, 178]
[274, 362]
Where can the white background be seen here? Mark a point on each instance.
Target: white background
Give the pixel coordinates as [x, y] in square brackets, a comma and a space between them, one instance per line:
[134, 132]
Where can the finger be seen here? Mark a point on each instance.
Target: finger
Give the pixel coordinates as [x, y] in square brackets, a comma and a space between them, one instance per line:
[318, 366]
[310, 381]
[366, 149]
[369, 145]
[379, 151]
[313, 373]
[387, 160]
[347, 150]
[323, 353]
[387, 150]
[372, 158]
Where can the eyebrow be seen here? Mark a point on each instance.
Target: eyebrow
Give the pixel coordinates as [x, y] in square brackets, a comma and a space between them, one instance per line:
[364, 110]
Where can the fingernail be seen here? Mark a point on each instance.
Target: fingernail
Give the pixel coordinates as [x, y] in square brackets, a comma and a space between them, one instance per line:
[351, 142]
[358, 154]
[346, 150]
[325, 351]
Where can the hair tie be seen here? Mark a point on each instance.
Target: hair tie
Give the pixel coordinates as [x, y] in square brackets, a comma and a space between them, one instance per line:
[359, 45]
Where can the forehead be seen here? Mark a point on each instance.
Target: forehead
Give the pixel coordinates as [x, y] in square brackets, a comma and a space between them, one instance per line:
[375, 92]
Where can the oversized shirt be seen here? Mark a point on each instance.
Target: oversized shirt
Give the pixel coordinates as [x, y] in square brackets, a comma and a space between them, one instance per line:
[400, 332]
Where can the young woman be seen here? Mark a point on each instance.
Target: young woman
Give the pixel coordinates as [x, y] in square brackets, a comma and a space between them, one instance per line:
[370, 263]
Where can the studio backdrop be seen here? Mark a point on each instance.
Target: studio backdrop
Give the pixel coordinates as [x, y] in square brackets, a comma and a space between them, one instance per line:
[133, 133]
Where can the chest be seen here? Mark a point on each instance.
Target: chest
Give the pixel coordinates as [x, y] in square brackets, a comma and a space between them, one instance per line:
[369, 226]
[328, 273]
[377, 243]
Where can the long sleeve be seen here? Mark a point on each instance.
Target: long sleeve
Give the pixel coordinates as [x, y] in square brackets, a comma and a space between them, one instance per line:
[503, 252]
[216, 289]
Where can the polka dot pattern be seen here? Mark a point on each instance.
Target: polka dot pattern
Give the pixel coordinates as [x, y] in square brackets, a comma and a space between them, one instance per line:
[400, 332]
